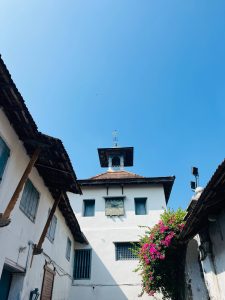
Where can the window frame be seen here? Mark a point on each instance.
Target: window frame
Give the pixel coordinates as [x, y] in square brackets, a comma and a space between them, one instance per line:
[68, 248]
[25, 209]
[85, 202]
[130, 255]
[49, 237]
[7, 155]
[88, 277]
[139, 199]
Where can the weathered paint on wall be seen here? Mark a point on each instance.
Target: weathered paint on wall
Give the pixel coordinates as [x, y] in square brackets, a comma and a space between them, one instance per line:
[196, 288]
[213, 264]
[217, 237]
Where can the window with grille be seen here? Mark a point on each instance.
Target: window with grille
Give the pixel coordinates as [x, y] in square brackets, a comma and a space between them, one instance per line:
[124, 250]
[89, 208]
[51, 229]
[140, 206]
[4, 154]
[82, 264]
[68, 249]
[29, 200]
[114, 206]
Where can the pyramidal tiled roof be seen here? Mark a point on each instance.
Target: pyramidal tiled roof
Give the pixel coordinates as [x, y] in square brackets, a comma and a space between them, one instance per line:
[116, 175]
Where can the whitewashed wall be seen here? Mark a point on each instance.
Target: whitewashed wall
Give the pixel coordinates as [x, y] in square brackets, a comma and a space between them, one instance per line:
[217, 237]
[212, 280]
[111, 279]
[21, 230]
[196, 288]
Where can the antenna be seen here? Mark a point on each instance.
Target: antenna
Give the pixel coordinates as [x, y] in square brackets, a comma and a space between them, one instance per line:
[194, 184]
[115, 138]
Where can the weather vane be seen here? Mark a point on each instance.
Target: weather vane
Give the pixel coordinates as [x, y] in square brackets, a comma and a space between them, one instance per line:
[115, 138]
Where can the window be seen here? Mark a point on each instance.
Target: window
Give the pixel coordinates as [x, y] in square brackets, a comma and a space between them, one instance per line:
[51, 229]
[116, 161]
[89, 208]
[82, 264]
[68, 249]
[29, 200]
[124, 250]
[4, 154]
[114, 206]
[140, 206]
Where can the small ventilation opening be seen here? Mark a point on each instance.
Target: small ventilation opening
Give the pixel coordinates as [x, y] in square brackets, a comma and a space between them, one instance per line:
[116, 161]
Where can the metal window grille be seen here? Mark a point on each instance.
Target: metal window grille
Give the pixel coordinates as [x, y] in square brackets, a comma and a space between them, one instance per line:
[140, 206]
[51, 229]
[4, 154]
[89, 208]
[82, 264]
[68, 249]
[124, 251]
[29, 200]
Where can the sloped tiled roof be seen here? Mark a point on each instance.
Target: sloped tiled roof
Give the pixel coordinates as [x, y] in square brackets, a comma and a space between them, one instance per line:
[115, 178]
[116, 175]
[211, 202]
[53, 164]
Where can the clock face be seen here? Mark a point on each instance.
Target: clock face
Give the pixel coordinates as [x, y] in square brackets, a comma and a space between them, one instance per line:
[114, 206]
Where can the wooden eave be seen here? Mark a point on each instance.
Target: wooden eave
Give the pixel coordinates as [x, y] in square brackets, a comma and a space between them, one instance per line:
[167, 182]
[211, 202]
[128, 153]
[53, 164]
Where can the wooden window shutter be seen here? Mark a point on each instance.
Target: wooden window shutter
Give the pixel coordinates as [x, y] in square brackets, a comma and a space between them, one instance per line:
[4, 154]
[52, 228]
[47, 284]
[29, 200]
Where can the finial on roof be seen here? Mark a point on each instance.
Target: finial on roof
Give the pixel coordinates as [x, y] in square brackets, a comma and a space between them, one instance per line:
[115, 138]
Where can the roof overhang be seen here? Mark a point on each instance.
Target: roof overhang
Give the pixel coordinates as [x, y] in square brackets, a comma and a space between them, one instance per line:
[127, 152]
[211, 202]
[53, 164]
[167, 182]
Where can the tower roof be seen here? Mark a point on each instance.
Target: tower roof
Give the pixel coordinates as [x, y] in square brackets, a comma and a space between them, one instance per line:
[121, 174]
[115, 178]
[127, 152]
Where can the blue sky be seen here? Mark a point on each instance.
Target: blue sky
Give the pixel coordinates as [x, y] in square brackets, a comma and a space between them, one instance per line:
[153, 70]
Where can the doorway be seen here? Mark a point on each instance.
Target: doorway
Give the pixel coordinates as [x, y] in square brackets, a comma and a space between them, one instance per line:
[11, 281]
[5, 283]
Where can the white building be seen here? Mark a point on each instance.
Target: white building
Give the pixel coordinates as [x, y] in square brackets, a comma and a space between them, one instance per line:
[204, 233]
[28, 200]
[112, 207]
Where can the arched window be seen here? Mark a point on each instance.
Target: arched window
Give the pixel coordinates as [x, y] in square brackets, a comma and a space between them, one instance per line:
[116, 161]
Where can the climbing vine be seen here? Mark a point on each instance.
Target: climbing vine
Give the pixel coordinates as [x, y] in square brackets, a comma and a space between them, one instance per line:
[161, 257]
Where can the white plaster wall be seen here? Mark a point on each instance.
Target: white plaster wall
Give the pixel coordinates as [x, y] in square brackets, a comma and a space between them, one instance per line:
[21, 230]
[194, 277]
[113, 279]
[217, 236]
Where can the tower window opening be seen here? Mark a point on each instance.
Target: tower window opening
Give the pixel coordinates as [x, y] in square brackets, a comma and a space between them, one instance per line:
[116, 161]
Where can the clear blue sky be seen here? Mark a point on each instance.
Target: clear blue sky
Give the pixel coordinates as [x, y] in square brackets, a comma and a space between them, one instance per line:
[152, 69]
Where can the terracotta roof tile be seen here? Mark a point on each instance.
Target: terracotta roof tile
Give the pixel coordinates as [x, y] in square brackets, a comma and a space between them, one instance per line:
[116, 175]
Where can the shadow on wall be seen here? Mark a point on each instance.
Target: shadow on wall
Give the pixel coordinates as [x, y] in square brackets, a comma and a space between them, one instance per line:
[102, 285]
[217, 237]
[196, 287]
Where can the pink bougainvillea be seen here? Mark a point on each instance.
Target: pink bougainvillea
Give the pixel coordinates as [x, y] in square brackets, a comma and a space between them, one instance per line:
[156, 251]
